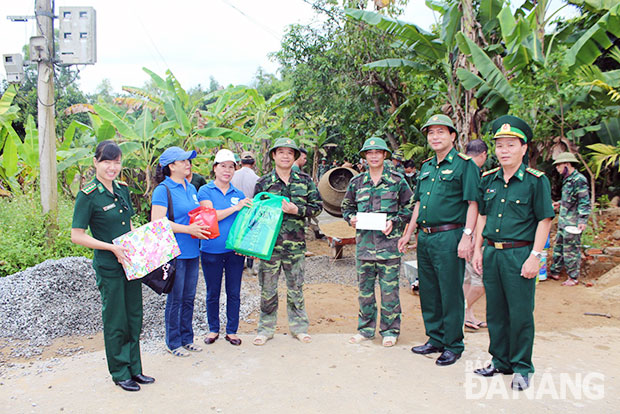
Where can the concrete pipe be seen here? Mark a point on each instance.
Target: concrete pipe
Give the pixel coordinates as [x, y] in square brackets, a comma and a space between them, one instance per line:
[332, 187]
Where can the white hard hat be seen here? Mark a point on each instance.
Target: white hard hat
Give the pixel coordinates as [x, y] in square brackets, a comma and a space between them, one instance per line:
[224, 155]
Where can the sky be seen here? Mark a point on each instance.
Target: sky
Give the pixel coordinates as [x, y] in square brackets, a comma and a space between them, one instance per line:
[195, 39]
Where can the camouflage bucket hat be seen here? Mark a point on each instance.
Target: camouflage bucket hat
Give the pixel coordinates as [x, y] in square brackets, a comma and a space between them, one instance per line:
[565, 157]
[398, 155]
[284, 143]
[439, 119]
[374, 143]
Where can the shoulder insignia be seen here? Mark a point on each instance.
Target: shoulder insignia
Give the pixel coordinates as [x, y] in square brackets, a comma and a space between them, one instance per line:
[427, 160]
[491, 171]
[535, 172]
[464, 156]
[89, 188]
[122, 183]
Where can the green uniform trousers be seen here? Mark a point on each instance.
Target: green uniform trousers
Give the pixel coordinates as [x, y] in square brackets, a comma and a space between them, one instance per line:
[510, 308]
[268, 273]
[122, 323]
[441, 273]
[566, 253]
[387, 271]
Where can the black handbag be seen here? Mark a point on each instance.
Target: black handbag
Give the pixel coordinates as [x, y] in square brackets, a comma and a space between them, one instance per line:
[161, 280]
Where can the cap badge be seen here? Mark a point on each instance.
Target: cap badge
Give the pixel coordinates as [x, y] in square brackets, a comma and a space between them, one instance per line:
[435, 118]
[372, 142]
[506, 128]
[288, 141]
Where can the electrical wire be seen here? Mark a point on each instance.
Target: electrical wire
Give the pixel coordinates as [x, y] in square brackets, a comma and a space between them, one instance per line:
[256, 22]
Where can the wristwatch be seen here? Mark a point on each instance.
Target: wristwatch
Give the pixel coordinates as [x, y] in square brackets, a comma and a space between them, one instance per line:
[467, 231]
[536, 254]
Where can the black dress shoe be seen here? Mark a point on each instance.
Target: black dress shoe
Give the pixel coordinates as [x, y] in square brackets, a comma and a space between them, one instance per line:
[490, 370]
[209, 340]
[427, 348]
[233, 341]
[128, 385]
[520, 382]
[447, 358]
[143, 379]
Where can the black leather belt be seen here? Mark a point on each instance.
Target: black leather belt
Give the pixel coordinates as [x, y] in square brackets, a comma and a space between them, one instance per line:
[443, 227]
[507, 245]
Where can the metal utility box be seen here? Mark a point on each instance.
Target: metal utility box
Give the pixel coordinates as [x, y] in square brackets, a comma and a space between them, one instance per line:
[14, 66]
[77, 38]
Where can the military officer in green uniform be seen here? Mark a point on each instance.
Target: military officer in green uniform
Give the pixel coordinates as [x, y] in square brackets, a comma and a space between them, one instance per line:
[379, 190]
[514, 222]
[445, 212]
[574, 208]
[104, 206]
[288, 253]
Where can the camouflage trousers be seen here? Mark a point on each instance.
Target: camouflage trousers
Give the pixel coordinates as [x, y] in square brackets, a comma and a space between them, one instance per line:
[566, 253]
[268, 273]
[387, 271]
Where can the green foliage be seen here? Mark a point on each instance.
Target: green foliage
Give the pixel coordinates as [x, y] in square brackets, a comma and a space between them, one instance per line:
[23, 233]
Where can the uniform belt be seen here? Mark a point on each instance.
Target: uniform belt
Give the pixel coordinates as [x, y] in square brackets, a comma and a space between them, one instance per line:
[508, 245]
[443, 227]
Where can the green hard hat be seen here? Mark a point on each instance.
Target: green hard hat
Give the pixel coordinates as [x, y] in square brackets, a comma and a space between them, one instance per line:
[511, 126]
[374, 143]
[565, 157]
[439, 119]
[284, 143]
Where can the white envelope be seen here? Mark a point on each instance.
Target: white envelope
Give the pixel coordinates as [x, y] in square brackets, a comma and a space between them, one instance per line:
[371, 221]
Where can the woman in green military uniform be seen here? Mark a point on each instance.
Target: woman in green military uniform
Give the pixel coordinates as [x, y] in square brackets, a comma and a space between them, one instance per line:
[104, 206]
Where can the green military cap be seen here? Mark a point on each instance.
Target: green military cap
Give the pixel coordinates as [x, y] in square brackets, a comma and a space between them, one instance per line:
[565, 157]
[511, 126]
[439, 119]
[284, 143]
[398, 155]
[374, 143]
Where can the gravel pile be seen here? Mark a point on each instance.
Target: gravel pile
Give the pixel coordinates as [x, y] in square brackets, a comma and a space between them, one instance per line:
[59, 298]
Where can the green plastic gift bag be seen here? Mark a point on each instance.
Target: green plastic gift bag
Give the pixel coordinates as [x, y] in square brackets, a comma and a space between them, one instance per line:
[255, 230]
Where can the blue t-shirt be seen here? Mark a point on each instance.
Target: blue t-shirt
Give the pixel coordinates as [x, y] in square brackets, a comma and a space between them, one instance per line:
[184, 199]
[220, 201]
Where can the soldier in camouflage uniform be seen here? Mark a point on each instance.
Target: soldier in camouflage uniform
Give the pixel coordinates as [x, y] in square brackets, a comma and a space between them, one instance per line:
[323, 168]
[397, 162]
[380, 190]
[288, 253]
[574, 211]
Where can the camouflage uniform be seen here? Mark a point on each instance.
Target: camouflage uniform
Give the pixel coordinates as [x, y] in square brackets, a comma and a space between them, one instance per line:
[288, 253]
[377, 255]
[574, 210]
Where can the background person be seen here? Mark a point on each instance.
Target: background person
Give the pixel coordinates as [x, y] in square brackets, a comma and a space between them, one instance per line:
[195, 179]
[288, 253]
[380, 190]
[574, 208]
[173, 167]
[298, 165]
[472, 284]
[514, 222]
[104, 205]
[446, 211]
[217, 260]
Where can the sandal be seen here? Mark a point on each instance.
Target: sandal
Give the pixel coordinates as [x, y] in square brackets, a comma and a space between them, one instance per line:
[389, 341]
[192, 347]
[475, 326]
[304, 338]
[178, 352]
[554, 277]
[261, 340]
[570, 282]
[358, 339]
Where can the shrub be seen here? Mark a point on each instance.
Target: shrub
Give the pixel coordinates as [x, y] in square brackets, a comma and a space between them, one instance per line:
[23, 234]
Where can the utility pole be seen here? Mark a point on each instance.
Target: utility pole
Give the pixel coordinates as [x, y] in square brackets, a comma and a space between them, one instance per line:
[44, 16]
